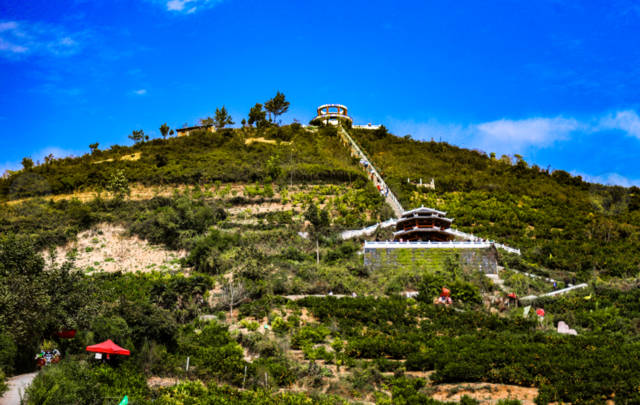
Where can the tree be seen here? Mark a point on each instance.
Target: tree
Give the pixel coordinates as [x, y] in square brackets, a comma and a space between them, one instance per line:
[164, 130]
[94, 147]
[27, 163]
[35, 300]
[257, 116]
[273, 166]
[319, 220]
[222, 118]
[48, 159]
[171, 133]
[118, 185]
[233, 292]
[206, 122]
[276, 106]
[137, 136]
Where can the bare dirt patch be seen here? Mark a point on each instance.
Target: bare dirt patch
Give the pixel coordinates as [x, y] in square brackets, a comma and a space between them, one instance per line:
[140, 192]
[260, 208]
[249, 141]
[131, 157]
[161, 382]
[484, 392]
[107, 248]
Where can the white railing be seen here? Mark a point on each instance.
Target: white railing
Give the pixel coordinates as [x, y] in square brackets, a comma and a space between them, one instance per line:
[507, 248]
[390, 197]
[565, 290]
[474, 238]
[426, 245]
[530, 275]
[366, 126]
[554, 293]
[368, 230]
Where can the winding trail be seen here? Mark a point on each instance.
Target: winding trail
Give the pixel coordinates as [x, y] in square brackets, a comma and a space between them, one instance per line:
[17, 385]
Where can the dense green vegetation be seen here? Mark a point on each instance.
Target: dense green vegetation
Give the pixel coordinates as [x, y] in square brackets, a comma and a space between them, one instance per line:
[227, 309]
[559, 221]
[474, 346]
[202, 158]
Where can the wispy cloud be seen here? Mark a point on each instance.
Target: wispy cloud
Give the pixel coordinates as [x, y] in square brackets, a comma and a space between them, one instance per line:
[538, 135]
[516, 136]
[39, 157]
[521, 134]
[189, 6]
[610, 179]
[627, 121]
[501, 136]
[140, 92]
[19, 39]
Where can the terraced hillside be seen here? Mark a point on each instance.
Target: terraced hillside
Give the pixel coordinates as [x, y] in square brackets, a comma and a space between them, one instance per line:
[225, 248]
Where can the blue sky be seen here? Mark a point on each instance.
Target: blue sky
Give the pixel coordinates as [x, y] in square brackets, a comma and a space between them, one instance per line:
[555, 81]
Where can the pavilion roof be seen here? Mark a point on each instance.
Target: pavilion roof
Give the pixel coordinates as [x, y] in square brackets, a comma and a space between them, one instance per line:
[425, 210]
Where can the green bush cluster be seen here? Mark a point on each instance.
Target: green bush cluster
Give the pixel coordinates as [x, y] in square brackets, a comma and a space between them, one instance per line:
[473, 346]
[203, 157]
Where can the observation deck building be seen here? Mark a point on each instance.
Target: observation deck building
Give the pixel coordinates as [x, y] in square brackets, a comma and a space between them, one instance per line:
[332, 114]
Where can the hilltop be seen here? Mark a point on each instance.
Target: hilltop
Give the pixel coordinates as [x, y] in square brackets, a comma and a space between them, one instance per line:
[225, 247]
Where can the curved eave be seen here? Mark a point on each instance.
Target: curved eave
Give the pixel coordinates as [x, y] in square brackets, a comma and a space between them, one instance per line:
[421, 230]
[443, 219]
[424, 209]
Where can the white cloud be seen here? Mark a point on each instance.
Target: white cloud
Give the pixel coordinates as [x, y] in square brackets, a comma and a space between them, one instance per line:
[21, 38]
[503, 136]
[140, 92]
[610, 179]
[506, 136]
[518, 135]
[189, 6]
[627, 121]
[39, 157]
[177, 5]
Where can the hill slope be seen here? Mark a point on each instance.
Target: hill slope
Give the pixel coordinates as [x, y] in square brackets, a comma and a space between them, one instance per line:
[246, 224]
[558, 220]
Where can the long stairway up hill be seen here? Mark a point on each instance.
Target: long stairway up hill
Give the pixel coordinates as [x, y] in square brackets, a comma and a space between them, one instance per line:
[391, 199]
[374, 176]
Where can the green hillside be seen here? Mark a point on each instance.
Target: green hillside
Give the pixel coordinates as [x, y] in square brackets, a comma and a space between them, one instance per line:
[254, 285]
[557, 220]
[204, 158]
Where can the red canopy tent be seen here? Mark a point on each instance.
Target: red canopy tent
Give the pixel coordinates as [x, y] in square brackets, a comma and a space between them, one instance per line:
[108, 347]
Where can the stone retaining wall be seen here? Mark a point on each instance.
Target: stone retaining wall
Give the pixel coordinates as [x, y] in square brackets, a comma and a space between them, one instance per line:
[433, 259]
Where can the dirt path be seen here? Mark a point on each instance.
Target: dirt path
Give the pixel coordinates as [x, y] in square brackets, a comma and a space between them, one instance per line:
[17, 386]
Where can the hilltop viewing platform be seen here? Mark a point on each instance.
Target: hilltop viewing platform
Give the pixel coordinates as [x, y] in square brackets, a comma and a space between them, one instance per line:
[332, 114]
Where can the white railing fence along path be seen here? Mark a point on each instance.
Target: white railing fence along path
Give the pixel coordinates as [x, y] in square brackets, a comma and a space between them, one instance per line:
[377, 179]
[369, 230]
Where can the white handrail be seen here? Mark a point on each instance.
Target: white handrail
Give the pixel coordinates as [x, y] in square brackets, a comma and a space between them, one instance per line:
[390, 197]
[367, 230]
[427, 245]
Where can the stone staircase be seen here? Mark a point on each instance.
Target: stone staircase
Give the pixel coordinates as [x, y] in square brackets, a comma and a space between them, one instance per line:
[373, 175]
